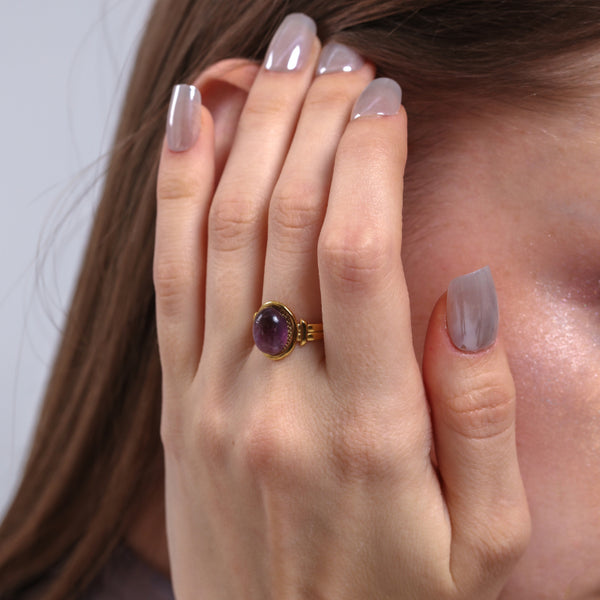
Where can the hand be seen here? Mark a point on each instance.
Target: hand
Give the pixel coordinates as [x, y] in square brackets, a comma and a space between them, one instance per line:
[312, 477]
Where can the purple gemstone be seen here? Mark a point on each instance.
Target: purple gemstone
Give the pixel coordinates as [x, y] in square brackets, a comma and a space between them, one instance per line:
[271, 331]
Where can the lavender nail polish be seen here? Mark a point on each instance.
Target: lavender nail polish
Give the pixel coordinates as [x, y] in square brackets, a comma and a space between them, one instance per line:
[183, 121]
[291, 45]
[337, 58]
[472, 311]
[381, 97]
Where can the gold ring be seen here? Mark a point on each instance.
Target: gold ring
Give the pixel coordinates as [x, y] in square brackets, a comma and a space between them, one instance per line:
[276, 331]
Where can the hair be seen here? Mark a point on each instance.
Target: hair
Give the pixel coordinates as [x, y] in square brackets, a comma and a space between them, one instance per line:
[96, 454]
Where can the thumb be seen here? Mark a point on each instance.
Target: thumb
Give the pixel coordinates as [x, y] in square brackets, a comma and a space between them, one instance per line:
[472, 396]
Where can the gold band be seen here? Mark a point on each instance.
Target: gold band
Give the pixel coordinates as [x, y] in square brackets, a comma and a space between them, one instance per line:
[308, 332]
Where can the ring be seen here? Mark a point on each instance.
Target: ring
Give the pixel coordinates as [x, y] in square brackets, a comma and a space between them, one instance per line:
[276, 331]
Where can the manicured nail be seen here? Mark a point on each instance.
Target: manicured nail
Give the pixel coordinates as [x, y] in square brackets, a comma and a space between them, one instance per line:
[472, 311]
[183, 122]
[381, 97]
[291, 45]
[337, 57]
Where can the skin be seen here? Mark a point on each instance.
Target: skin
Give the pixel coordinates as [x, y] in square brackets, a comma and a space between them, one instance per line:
[514, 191]
[532, 211]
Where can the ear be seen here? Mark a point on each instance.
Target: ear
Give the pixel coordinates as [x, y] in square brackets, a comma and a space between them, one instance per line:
[224, 87]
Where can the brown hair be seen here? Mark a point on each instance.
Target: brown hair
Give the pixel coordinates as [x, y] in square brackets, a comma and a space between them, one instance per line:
[96, 454]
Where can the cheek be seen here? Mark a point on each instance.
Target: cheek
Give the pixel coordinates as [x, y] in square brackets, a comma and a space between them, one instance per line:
[556, 368]
[550, 326]
[555, 365]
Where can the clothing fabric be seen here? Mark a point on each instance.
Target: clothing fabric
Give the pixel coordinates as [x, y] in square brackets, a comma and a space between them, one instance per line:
[127, 577]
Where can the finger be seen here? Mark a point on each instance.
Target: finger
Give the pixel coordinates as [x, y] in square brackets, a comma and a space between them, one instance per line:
[184, 189]
[472, 398]
[238, 217]
[366, 317]
[299, 200]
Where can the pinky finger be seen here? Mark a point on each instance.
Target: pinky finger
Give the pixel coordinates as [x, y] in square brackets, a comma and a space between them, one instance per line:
[184, 189]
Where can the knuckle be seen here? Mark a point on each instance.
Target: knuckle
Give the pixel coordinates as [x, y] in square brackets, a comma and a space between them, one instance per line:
[233, 223]
[326, 95]
[172, 278]
[262, 108]
[264, 449]
[496, 541]
[172, 437]
[261, 448]
[296, 206]
[501, 548]
[355, 257]
[361, 453]
[204, 436]
[173, 186]
[275, 451]
[483, 409]
[212, 438]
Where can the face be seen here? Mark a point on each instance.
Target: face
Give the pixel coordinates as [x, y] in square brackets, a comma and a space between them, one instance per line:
[521, 193]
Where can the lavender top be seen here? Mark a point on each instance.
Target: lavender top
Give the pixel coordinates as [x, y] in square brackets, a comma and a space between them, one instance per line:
[127, 577]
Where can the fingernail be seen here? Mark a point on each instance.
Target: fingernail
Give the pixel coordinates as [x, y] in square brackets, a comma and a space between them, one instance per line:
[183, 122]
[472, 311]
[291, 45]
[381, 97]
[338, 57]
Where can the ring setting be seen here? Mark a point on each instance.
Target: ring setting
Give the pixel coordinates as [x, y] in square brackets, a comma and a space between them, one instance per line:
[276, 331]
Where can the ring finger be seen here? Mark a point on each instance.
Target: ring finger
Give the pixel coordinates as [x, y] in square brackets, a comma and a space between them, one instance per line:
[238, 216]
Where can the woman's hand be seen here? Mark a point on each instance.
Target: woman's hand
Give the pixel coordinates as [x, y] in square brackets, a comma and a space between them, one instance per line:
[312, 476]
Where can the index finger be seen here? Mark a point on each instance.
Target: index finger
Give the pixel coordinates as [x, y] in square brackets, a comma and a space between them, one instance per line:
[366, 313]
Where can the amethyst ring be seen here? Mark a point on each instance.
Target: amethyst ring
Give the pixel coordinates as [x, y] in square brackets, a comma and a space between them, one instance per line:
[276, 331]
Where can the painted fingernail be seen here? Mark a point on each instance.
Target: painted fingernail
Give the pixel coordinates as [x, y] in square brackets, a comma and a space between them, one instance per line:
[472, 311]
[381, 97]
[338, 57]
[291, 45]
[183, 121]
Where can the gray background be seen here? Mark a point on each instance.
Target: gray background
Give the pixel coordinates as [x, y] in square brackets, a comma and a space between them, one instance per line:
[65, 64]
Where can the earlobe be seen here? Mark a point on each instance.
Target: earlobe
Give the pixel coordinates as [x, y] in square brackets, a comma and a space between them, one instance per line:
[224, 87]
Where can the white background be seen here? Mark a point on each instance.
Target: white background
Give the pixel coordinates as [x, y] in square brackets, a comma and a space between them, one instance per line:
[65, 65]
